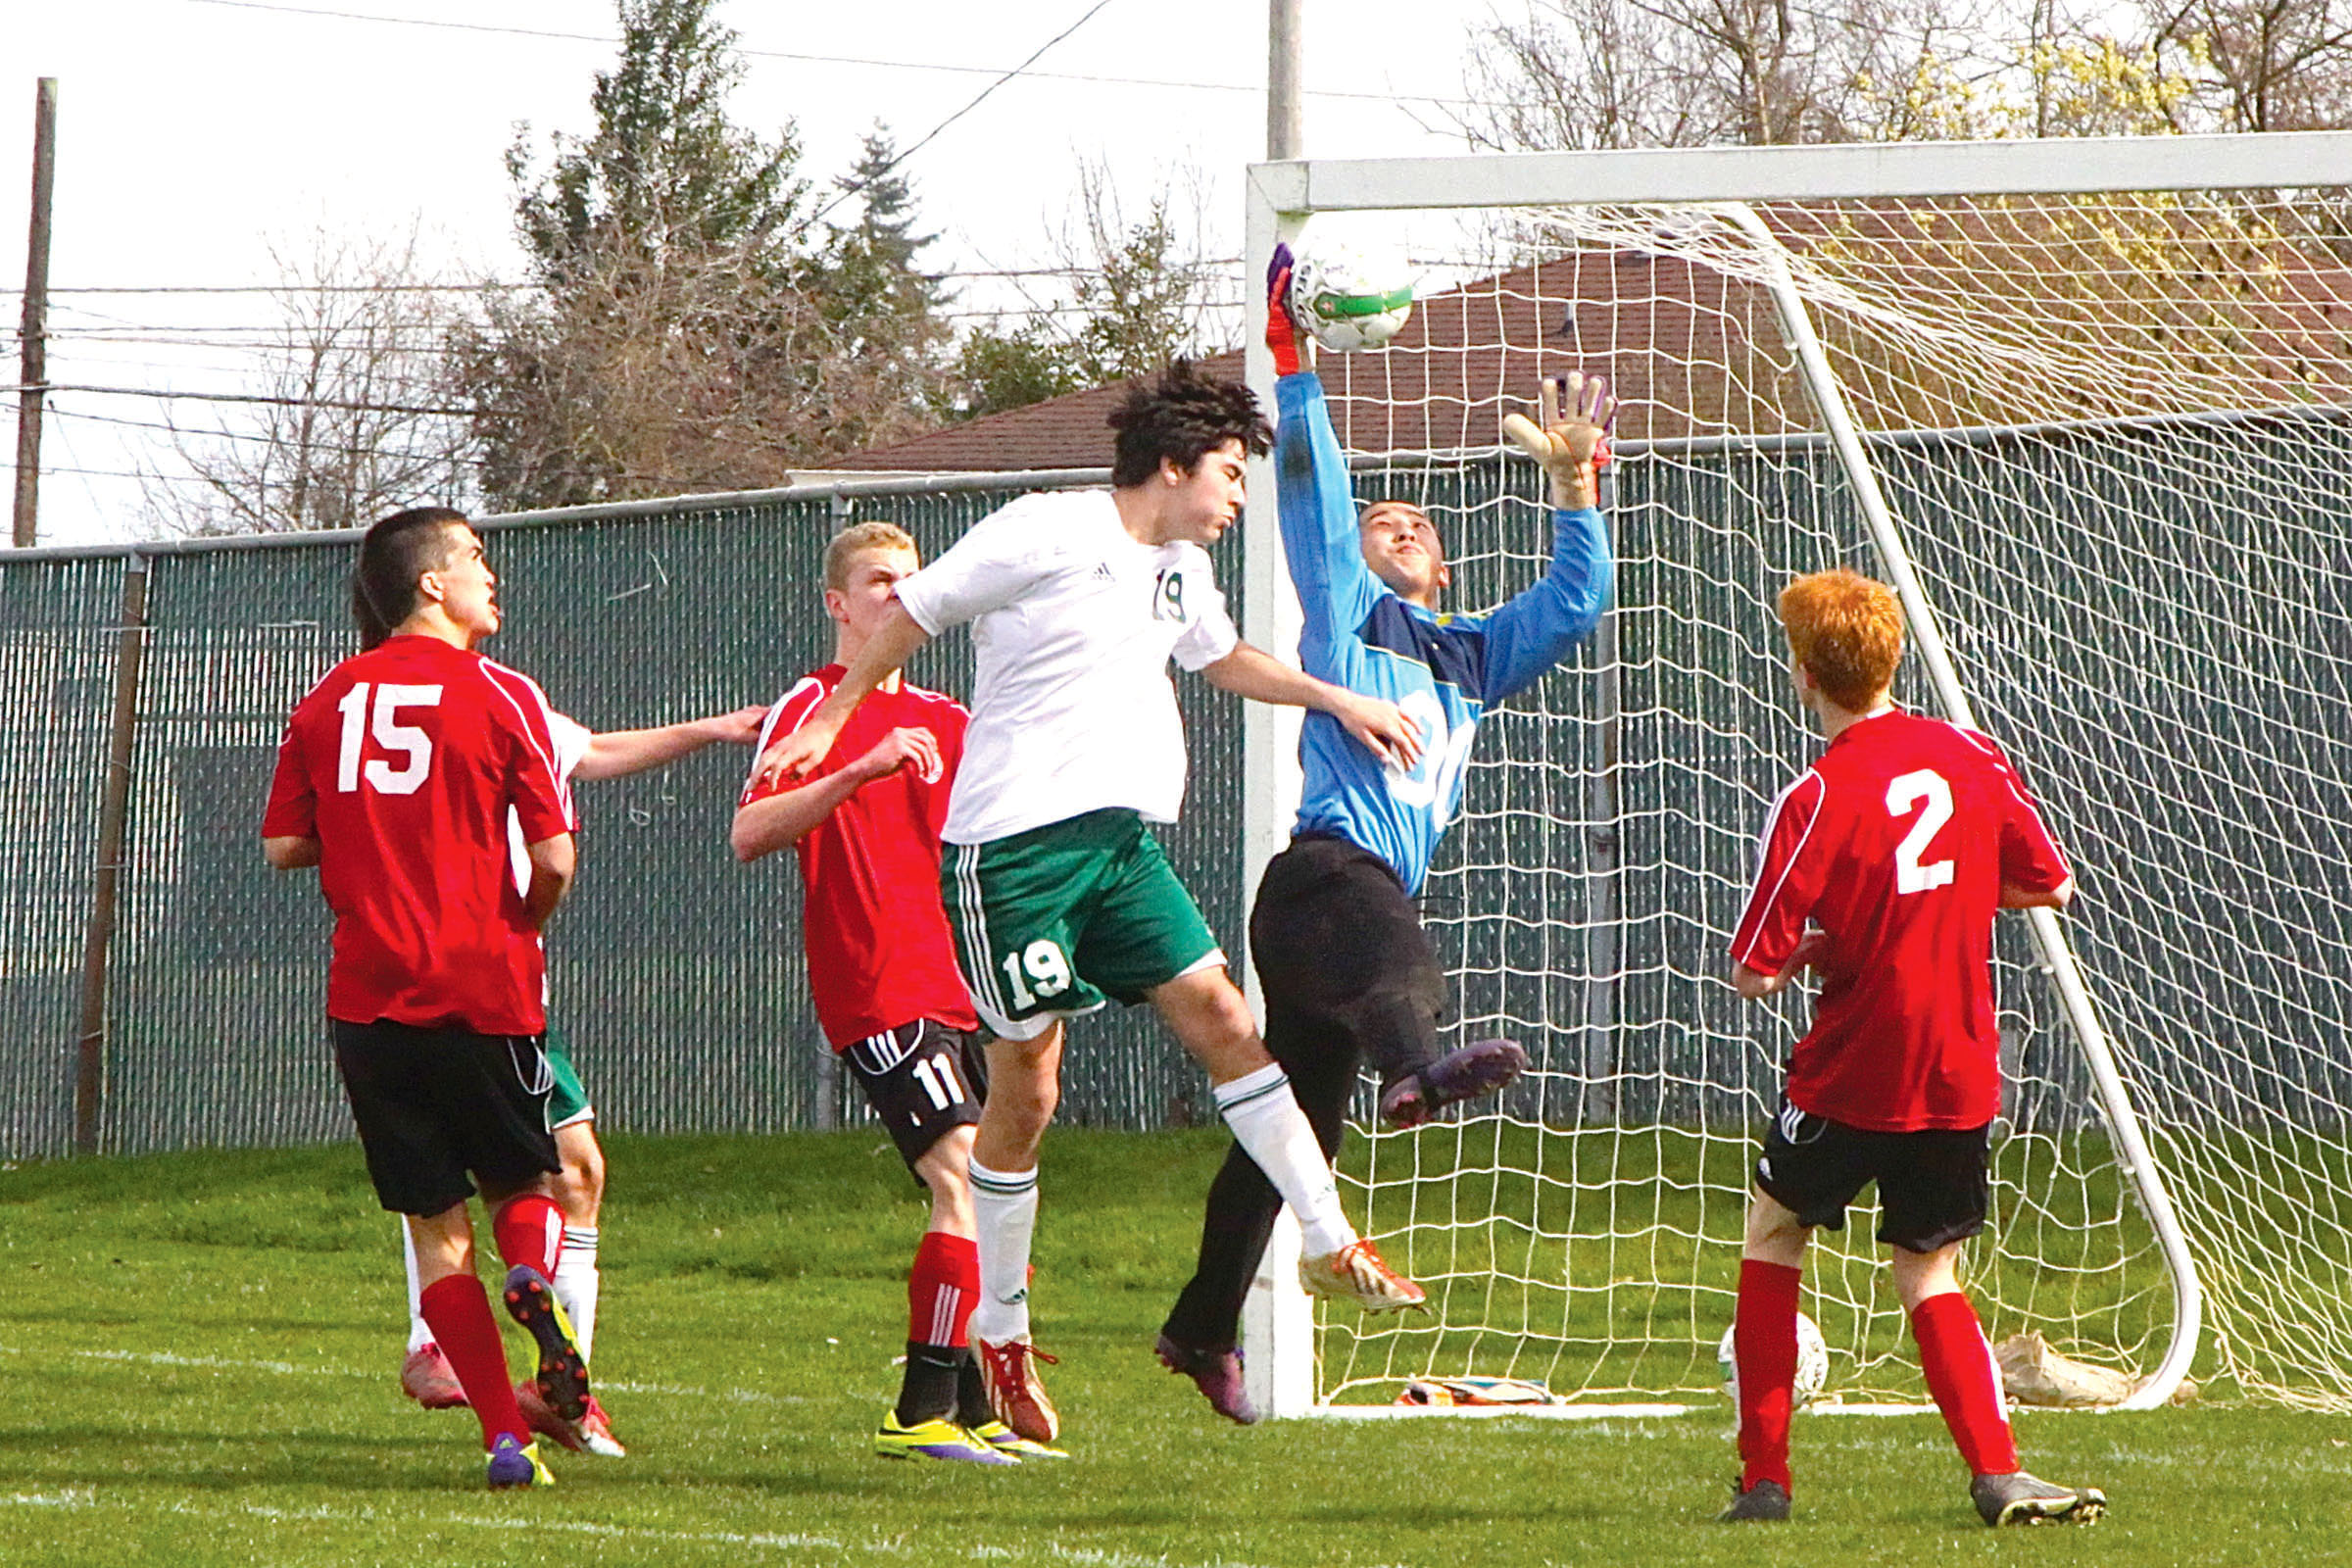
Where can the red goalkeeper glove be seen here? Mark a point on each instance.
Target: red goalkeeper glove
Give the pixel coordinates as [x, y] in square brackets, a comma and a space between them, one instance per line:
[1282, 333]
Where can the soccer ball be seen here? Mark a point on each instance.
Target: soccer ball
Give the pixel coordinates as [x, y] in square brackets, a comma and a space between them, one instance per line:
[1345, 300]
[1812, 1361]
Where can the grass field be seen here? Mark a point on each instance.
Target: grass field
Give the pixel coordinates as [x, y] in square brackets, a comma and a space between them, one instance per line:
[198, 1358]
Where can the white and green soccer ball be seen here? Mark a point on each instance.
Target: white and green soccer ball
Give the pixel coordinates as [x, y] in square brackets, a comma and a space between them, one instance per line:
[1812, 1361]
[1348, 299]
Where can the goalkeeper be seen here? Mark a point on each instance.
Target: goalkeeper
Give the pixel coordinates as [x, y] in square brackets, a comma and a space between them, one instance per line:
[1347, 972]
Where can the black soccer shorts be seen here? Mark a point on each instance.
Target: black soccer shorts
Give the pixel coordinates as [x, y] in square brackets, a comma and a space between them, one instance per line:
[923, 1079]
[1933, 1188]
[433, 1105]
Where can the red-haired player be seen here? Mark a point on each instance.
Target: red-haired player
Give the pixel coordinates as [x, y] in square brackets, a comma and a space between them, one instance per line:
[1881, 868]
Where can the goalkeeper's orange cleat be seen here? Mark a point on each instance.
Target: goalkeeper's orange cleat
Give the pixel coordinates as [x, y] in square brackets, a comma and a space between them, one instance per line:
[1355, 1273]
[1008, 1372]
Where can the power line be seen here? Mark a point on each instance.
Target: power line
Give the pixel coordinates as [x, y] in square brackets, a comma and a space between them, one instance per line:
[931, 135]
[953, 276]
[842, 60]
[246, 435]
[245, 397]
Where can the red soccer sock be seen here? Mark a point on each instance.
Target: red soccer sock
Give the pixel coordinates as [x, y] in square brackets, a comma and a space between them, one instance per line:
[941, 1288]
[529, 1231]
[1764, 1344]
[1952, 1352]
[456, 1309]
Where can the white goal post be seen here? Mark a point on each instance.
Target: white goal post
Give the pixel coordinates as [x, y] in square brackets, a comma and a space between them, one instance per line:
[2087, 406]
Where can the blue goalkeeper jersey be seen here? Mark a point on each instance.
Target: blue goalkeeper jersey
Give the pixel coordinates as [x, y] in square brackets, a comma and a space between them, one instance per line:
[1441, 669]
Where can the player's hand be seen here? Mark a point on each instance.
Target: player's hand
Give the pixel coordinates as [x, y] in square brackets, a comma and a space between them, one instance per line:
[915, 748]
[1282, 333]
[1573, 441]
[1382, 727]
[791, 759]
[739, 728]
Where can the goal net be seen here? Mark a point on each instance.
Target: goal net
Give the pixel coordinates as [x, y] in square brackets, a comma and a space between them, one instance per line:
[2106, 435]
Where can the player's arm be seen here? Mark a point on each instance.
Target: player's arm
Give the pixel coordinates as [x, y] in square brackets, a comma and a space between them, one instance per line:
[2016, 897]
[290, 852]
[1755, 985]
[897, 640]
[554, 861]
[772, 822]
[619, 753]
[290, 820]
[2035, 874]
[1320, 540]
[1772, 946]
[1252, 672]
[1539, 627]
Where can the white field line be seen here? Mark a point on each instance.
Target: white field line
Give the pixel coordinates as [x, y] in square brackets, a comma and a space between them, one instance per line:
[506, 1524]
[289, 1369]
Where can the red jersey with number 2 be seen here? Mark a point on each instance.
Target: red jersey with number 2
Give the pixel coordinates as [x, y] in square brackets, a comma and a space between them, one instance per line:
[404, 763]
[1895, 844]
[880, 953]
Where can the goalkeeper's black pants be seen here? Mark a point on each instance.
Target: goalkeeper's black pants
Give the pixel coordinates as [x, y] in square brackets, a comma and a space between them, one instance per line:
[1350, 979]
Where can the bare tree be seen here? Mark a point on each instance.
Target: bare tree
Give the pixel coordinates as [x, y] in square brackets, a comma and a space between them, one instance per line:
[2263, 65]
[352, 421]
[1142, 291]
[1595, 73]
[1590, 74]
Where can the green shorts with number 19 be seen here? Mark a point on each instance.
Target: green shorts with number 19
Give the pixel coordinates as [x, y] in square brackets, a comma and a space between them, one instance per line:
[1051, 922]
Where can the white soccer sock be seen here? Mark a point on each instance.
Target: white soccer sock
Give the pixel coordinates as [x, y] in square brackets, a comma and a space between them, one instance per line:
[576, 1284]
[418, 1335]
[1005, 1212]
[1272, 1130]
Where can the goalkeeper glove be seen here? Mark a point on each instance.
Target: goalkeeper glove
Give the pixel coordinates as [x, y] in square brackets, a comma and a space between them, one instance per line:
[1282, 333]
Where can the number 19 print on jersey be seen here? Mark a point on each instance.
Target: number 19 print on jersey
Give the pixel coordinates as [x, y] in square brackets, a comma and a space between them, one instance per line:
[1895, 844]
[404, 765]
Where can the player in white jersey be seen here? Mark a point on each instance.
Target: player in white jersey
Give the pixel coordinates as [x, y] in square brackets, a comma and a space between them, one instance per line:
[1058, 891]
[578, 1189]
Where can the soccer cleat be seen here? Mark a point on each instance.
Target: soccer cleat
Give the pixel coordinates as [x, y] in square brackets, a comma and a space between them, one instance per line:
[1217, 1374]
[542, 1418]
[1479, 1067]
[514, 1463]
[563, 1371]
[2017, 1499]
[1765, 1502]
[596, 1432]
[1008, 1372]
[427, 1378]
[1002, 1438]
[1355, 1273]
[935, 1439]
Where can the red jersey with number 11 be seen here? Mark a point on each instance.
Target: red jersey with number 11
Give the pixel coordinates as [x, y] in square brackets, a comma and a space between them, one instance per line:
[880, 953]
[404, 763]
[1895, 844]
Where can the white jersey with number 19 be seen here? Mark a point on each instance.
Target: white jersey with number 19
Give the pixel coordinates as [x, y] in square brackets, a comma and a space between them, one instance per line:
[1073, 624]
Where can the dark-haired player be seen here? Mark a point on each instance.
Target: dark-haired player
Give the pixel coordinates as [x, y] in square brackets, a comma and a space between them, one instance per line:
[1057, 891]
[396, 779]
[1347, 972]
[882, 967]
[1883, 865]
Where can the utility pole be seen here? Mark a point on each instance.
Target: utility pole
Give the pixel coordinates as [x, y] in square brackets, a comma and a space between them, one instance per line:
[1286, 133]
[32, 379]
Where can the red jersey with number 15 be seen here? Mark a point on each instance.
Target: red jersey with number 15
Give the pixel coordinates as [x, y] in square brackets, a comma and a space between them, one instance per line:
[404, 763]
[880, 953]
[1895, 844]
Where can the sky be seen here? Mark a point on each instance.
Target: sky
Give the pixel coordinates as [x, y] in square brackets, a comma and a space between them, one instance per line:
[196, 134]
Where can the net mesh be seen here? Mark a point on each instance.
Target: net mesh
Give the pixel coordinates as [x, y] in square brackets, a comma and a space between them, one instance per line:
[2115, 433]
